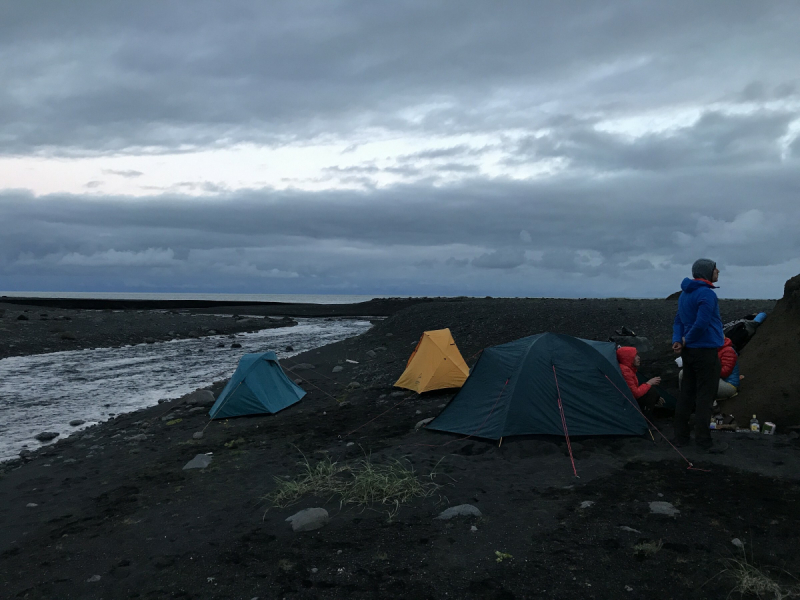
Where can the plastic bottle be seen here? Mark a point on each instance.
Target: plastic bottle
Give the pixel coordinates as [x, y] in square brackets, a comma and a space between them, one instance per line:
[754, 426]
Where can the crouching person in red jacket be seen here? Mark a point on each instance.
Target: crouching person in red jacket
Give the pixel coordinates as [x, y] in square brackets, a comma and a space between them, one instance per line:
[645, 394]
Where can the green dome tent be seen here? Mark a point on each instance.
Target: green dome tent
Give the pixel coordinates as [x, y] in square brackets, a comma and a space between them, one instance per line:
[258, 386]
[514, 389]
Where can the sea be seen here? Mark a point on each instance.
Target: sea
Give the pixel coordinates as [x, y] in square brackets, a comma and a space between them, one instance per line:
[44, 392]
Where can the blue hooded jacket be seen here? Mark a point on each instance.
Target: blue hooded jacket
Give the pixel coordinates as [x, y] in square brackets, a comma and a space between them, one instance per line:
[698, 323]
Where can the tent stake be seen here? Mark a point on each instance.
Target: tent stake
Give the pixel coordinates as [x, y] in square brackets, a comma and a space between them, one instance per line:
[650, 431]
[501, 442]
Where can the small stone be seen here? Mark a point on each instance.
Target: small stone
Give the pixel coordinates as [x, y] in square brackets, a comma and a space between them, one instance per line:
[473, 529]
[462, 510]
[288, 349]
[738, 543]
[197, 435]
[628, 588]
[93, 579]
[397, 394]
[298, 381]
[46, 436]
[69, 461]
[303, 367]
[587, 504]
[31, 505]
[389, 334]
[201, 461]
[419, 412]
[371, 353]
[660, 495]
[314, 570]
[350, 444]
[308, 519]
[353, 385]
[630, 529]
[423, 423]
[201, 398]
[236, 345]
[664, 508]
[337, 369]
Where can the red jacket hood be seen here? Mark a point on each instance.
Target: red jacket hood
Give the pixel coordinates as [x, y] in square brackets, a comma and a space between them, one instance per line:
[625, 356]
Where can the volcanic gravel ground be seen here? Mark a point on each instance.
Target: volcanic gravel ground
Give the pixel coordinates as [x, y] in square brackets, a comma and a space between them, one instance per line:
[113, 501]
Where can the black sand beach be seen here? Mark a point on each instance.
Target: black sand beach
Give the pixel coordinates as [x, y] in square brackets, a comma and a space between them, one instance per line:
[116, 516]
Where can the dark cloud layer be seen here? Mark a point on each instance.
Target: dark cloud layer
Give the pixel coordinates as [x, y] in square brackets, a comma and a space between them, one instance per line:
[93, 78]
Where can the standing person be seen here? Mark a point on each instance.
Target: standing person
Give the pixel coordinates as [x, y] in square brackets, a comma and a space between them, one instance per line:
[697, 336]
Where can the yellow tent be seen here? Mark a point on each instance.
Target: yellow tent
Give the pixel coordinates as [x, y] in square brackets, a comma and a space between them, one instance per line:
[435, 364]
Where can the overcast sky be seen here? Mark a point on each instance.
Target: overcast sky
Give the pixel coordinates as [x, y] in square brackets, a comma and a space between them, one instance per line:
[576, 149]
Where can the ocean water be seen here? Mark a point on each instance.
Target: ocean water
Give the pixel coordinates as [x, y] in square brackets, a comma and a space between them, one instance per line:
[288, 298]
[46, 391]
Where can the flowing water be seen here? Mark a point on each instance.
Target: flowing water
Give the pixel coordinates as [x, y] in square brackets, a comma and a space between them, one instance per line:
[45, 392]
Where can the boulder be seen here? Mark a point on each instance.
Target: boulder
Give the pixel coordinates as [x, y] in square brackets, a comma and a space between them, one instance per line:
[46, 436]
[201, 398]
[201, 461]
[76, 422]
[462, 510]
[308, 519]
[236, 345]
[22, 318]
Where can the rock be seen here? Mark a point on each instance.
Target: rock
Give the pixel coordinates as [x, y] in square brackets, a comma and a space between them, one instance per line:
[139, 437]
[288, 349]
[193, 334]
[22, 318]
[397, 394]
[220, 345]
[422, 423]
[628, 588]
[31, 505]
[201, 398]
[236, 345]
[308, 519]
[630, 529]
[25, 454]
[664, 508]
[212, 332]
[303, 367]
[642, 344]
[350, 444]
[389, 334]
[298, 381]
[587, 504]
[93, 579]
[738, 543]
[314, 570]
[197, 435]
[46, 436]
[462, 510]
[76, 422]
[353, 385]
[201, 461]
[338, 369]
[371, 353]
[473, 529]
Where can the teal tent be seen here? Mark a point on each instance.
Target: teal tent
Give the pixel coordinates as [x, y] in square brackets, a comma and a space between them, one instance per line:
[514, 389]
[259, 385]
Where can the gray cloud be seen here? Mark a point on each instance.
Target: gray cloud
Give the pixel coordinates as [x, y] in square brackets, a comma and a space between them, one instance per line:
[150, 74]
[130, 173]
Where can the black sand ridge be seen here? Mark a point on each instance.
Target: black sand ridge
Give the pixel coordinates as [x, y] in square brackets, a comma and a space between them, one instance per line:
[130, 515]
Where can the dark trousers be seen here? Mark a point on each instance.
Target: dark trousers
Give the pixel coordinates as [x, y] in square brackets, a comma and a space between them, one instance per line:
[650, 399]
[701, 368]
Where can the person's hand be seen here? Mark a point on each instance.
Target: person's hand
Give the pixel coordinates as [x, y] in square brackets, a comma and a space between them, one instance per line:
[677, 347]
[654, 381]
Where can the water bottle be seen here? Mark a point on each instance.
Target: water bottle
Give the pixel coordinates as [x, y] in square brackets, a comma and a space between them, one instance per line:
[754, 426]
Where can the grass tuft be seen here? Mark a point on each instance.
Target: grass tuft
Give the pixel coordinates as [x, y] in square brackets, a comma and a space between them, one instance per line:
[648, 548]
[750, 580]
[361, 483]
